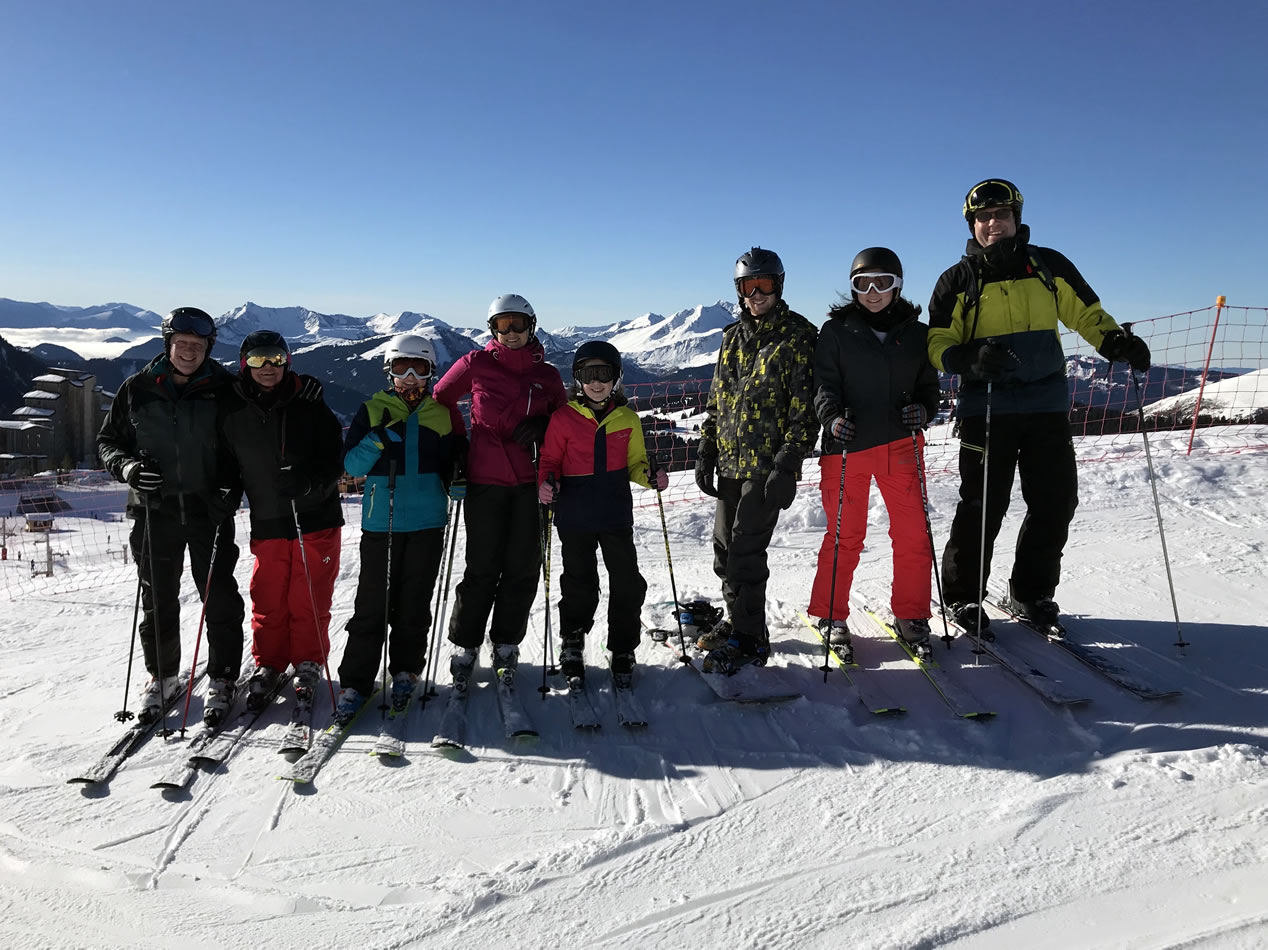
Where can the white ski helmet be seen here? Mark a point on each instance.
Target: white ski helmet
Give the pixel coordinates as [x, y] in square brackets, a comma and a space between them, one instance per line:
[512, 303]
[409, 346]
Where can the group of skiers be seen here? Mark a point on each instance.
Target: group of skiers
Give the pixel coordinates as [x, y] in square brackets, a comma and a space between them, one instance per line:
[190, 439]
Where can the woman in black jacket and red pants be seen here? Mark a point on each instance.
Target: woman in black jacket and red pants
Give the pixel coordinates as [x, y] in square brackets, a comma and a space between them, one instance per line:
[874, 387]
[284, 446]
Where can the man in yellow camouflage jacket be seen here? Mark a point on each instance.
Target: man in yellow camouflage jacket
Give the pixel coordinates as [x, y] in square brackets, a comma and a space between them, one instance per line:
[759, 425]
[993, 319]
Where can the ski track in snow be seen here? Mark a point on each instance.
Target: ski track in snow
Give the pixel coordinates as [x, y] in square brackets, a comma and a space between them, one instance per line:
[810, 823]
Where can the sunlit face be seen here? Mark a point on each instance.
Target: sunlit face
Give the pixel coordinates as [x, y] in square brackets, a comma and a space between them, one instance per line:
[875, 301]
[267, 377]
[595, 390]
[512, 330]
[760, 304]
[994, 224]
[187, 352]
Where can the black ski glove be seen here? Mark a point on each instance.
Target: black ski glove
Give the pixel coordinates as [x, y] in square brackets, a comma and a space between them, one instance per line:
[914, 415]
[531, 432]
[293, 484]
[143, 475]
[781, 488]
[222, 504]
[706, 469]
[1120, 347]
[987, 361]
[843, 428]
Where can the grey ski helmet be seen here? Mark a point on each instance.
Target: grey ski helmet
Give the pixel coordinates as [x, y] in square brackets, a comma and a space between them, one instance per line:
[512, 303]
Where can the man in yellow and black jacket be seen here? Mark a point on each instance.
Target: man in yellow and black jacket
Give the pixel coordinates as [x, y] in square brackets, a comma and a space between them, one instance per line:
[759, 425]
[993, 320]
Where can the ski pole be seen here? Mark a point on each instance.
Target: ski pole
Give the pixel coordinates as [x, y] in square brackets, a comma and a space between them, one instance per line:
[384, 705]
[124, 714]
[435, 604]
[933, 553]
[669, 560]
[836, 551]
[981, 553]
[443, 604]
[1180, 643]
[544, 521]
[202, 616]
[323, 636]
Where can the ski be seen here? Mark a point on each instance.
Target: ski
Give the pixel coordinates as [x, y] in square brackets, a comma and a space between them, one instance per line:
[584, 717]
[132, 739]
[306, 767]
[1048, 687]
[451, 734]
[228, 736]
[1089, 657]
[870, 696]
[749, 684]
[299, 733]
[518, 725]
[391, 741]
[960, 701]
[629, 708]
[208, 747]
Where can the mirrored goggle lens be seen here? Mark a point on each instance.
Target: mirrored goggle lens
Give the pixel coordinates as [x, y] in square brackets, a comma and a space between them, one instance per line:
[881, 283]
[187, 321]
[418, 369]
[595, 374]
[764, 284]
[509, 323]
[990, 194]
[267, 356]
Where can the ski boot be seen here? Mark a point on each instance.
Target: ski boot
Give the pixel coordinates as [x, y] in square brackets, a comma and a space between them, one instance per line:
[350, 703]
[403, 685]
[915, 634]
[156, 695]
[307, 676]
[966, 616]
[506, 657]
[461, 665]
[623, 670]
[220, 694]
[737, 652]
[1042, 612]
[716, 637]
[838, 636]
[260, 687]
[572, 656]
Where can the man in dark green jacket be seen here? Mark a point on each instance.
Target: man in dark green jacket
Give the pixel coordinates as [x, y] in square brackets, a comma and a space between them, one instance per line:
[160, 438]
[759, 425]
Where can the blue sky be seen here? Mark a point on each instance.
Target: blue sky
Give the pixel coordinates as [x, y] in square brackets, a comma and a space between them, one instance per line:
[605, 159]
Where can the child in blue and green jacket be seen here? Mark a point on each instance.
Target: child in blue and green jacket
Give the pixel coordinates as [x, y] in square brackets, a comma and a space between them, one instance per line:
[410, 448]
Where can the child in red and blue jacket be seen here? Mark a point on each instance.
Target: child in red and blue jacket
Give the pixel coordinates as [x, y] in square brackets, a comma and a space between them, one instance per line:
[593, 450]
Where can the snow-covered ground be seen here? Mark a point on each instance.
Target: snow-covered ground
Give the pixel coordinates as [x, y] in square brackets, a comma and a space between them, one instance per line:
[1121, 823]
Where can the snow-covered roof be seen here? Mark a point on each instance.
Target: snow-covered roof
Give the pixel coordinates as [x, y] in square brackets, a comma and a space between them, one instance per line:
[18, 424]
[49, 378]
[33, 411]
[41, 394]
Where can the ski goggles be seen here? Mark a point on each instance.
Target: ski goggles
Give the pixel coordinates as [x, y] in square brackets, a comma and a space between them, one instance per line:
[762, 284]
[879, 282]
[509, 323]
[267, 356]
[191, 320]
[599, 373]
[991, 194]
[412, 368]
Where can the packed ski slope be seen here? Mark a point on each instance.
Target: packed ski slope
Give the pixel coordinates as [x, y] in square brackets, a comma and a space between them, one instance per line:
[810, 823]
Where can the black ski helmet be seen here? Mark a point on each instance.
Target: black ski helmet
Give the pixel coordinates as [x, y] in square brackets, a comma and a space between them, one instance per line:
[188, 320]
[597, 350]
[992, 193]
[758, 262]
[876, 260]
[262, 340]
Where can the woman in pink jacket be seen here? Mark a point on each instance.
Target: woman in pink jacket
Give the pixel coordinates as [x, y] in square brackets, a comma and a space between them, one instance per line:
[513, 392]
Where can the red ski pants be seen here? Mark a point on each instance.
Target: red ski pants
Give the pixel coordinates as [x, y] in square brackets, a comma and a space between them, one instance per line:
[894, 468]
[283, 628]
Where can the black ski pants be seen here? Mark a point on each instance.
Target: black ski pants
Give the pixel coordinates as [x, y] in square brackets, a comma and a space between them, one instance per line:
[579, 585]
[416, 557]
[504, 537]
[170, 534]
[1037, 446]
[743, 525]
